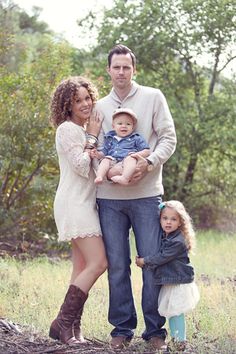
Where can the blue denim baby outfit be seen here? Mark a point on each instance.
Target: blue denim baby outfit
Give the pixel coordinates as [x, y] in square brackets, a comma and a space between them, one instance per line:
[120, 148]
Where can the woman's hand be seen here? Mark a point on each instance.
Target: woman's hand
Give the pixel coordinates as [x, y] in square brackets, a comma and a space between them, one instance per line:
[94, 124]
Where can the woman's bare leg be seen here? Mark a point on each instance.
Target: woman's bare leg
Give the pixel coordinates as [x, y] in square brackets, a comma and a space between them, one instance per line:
[94, 256]
[78, 262]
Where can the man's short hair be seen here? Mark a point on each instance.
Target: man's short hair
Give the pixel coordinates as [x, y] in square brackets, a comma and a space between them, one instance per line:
[121, 49]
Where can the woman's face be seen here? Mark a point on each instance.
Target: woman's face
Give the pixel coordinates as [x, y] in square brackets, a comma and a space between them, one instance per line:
[81, 107]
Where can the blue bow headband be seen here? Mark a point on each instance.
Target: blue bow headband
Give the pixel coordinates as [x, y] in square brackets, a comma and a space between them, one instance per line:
[161, 206]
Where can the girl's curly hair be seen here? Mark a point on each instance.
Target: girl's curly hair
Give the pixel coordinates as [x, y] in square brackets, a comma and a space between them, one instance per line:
[186, 226]
[64, 95]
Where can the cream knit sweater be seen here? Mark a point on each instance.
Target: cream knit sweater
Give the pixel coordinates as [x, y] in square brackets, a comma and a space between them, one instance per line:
[155, 124]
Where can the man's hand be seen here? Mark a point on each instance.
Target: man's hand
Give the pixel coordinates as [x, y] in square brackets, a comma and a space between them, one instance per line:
[139, 261]
[141, 168]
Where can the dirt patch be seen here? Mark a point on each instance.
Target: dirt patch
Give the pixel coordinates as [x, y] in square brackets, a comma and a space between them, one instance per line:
[16, 339]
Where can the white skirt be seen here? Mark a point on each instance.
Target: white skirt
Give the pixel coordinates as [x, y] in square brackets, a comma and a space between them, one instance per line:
[176, 299]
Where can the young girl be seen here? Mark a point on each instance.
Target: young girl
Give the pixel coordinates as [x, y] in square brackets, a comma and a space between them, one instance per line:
[172, 269]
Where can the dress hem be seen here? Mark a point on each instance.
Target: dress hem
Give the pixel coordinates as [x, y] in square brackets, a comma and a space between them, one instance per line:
[73, 237]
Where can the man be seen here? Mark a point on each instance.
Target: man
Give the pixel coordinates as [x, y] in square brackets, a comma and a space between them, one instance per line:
[136, 205]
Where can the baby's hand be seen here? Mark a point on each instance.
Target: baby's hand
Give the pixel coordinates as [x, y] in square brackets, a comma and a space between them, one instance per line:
[93, 153]
[139, 261]
[99, 154]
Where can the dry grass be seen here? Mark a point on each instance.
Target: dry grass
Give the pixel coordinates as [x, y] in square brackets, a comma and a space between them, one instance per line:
[32, 291]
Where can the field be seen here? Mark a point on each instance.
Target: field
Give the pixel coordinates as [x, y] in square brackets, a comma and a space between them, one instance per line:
[32, 291]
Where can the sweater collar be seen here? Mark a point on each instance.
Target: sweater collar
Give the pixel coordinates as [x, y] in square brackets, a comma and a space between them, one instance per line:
[134, 88]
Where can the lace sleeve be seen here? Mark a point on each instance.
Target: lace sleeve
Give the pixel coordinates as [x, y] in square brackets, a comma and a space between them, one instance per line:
[71, 140]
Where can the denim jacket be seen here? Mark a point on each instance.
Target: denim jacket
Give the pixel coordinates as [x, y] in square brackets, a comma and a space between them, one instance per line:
[171, 264]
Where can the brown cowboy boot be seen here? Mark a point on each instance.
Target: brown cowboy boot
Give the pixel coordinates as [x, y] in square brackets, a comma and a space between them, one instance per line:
[61, 327]
[77, 326]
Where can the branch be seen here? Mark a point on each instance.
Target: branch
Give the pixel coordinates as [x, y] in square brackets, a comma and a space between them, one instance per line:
[5, 182]
[204, 194]
[28, 180]
[14, 344]
[196, 87]
[215, 72]
[12, 188]
[228, 61]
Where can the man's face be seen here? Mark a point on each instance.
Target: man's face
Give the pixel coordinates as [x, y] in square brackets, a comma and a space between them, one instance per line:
[121, 71]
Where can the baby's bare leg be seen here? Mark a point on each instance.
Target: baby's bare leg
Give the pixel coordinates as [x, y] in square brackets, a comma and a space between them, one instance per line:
[115, 170]
[102, 170]
[129, 166]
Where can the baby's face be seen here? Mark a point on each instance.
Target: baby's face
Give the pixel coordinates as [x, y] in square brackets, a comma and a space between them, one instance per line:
[123, 124]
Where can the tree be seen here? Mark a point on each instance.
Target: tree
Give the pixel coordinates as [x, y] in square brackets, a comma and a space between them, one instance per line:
[33, 60]
[184, 47]
[16, 23]
[28, 172]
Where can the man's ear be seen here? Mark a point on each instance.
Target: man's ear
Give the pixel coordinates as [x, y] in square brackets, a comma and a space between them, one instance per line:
[108, 70]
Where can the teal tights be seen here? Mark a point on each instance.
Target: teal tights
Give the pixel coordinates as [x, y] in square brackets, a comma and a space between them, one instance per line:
[177, 327]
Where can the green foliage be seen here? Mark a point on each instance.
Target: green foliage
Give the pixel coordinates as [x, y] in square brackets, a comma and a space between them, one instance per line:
[19, 31]
[184, 48]
[29, 171]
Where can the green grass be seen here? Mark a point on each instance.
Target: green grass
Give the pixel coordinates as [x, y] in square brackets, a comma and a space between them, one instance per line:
[32, 291]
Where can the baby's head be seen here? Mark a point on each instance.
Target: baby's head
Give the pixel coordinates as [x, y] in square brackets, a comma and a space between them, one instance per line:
[124, 121]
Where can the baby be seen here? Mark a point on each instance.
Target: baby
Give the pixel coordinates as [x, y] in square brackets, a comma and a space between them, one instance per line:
[121, 147]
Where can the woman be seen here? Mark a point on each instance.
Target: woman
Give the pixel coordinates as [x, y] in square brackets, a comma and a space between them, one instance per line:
[75, 202]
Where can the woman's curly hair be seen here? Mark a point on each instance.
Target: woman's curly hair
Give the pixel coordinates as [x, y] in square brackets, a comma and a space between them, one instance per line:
[186, 226]
[64, 95]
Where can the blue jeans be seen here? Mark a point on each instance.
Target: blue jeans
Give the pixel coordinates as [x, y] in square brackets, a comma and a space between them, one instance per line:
[116, 218]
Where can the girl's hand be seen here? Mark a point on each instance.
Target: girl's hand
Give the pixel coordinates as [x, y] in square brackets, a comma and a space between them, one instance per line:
[139, 261]
[94, 124]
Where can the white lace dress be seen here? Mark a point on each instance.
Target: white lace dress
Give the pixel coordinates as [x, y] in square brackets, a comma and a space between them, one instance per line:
[75, 208]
